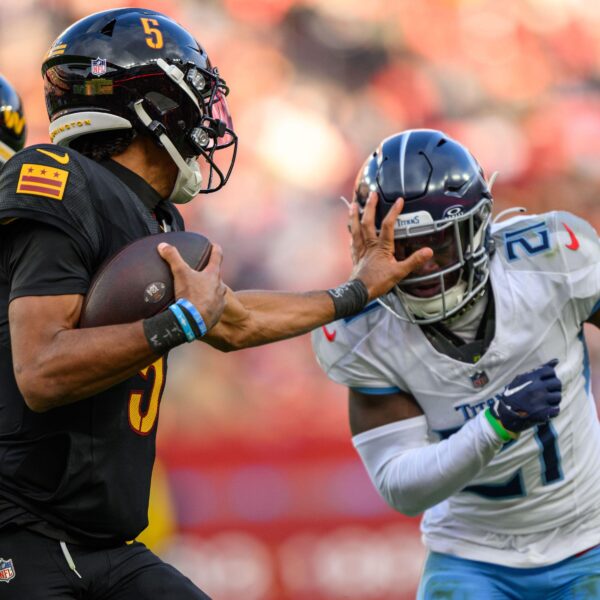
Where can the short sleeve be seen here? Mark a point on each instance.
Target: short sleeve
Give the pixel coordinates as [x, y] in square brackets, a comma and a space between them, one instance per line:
[580, 249]
[41, 260]
[343, 354]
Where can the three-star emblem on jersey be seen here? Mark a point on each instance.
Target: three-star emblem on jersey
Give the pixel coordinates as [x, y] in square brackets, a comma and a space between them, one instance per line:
[42, 180]
[574, 245]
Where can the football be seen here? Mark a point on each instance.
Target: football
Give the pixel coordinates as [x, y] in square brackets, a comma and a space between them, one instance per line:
[136, 283]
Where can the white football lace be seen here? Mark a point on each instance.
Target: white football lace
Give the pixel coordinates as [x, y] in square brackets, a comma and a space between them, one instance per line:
[69, 559]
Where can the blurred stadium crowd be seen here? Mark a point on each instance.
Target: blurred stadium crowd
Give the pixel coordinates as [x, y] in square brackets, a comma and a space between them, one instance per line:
[259, 491]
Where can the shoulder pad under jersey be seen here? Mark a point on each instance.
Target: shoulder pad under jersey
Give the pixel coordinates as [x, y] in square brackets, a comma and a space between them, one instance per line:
[557, 242]
[47, 183]
[344, 349]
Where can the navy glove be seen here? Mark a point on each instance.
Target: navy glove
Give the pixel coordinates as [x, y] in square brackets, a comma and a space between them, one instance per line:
[530, 399]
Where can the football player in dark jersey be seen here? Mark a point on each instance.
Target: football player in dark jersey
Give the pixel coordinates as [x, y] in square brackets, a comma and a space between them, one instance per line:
[12, 121]
[141, 124]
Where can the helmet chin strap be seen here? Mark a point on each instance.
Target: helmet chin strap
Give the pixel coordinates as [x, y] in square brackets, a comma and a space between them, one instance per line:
[189, 178]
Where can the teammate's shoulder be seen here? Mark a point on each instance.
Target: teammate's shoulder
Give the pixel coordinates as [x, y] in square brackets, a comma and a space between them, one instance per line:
[552, 241]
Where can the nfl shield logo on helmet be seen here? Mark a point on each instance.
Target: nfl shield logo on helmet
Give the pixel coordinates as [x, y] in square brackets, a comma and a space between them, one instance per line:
[7, 570]
[479, 379]
[99, 66]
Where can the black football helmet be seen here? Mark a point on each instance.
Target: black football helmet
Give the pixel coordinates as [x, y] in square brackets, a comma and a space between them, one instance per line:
[137, 68]
[12, 121]
[447, 207]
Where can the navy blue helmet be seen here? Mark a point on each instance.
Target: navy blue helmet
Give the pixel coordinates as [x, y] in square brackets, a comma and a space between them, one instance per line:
[447, 206]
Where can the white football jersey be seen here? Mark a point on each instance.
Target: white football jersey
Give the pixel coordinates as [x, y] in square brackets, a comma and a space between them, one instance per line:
[538, 501]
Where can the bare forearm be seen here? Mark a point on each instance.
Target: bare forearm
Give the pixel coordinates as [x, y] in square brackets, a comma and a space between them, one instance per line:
[79, 363]
[252, 318]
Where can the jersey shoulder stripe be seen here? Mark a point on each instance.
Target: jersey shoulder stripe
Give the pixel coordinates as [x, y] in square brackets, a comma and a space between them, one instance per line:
[367, 309]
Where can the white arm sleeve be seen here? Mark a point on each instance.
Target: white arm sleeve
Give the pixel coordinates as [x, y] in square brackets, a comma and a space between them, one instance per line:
[413, 474]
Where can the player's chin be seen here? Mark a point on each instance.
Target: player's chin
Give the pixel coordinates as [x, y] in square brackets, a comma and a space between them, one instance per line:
[429, 289]
[424, 290]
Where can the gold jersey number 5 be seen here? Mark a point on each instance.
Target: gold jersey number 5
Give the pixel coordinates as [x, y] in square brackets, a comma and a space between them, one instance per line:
[143, 413]
[155, 38]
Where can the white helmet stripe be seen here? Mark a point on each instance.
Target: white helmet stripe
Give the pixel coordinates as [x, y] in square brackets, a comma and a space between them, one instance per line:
[402, 158]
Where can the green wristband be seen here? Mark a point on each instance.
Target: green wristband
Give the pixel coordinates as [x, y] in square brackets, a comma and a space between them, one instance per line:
[504, 434]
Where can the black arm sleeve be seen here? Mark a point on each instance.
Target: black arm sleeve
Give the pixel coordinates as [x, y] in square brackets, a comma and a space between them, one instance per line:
[41, 260]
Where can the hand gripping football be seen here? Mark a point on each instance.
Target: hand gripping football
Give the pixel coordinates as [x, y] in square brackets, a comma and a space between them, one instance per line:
[136, 283]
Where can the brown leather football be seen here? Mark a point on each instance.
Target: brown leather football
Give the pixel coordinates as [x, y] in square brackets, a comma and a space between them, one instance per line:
[136, 283]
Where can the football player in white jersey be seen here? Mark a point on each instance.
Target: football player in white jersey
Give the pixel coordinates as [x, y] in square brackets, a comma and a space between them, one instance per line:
[469, 383]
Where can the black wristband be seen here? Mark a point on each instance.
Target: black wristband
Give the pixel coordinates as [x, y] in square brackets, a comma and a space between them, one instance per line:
[349, 298]
[164, 332]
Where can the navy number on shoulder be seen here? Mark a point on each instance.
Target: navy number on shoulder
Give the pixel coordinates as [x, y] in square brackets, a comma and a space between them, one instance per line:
[531, 240]
[547, 440]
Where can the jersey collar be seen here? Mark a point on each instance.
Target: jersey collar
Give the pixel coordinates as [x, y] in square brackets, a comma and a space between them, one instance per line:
[143, 190]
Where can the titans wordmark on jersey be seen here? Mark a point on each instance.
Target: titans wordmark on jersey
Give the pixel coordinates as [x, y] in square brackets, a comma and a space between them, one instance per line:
[536, 502]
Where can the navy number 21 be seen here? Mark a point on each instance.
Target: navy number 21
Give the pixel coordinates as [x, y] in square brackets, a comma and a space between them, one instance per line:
[546, 437]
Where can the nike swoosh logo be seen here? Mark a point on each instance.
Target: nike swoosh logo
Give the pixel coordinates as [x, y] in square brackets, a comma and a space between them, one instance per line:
[512, 391]
[63, 160]
[574, 245]
[330, 335]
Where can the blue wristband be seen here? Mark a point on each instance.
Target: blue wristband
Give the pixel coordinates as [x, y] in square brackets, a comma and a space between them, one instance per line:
[195, 314]
[185, 325]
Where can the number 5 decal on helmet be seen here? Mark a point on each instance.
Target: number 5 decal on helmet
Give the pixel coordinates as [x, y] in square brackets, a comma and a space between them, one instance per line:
[155, 39]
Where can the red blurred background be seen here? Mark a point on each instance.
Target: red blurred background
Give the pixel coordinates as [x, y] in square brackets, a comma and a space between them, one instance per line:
[258, 493]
